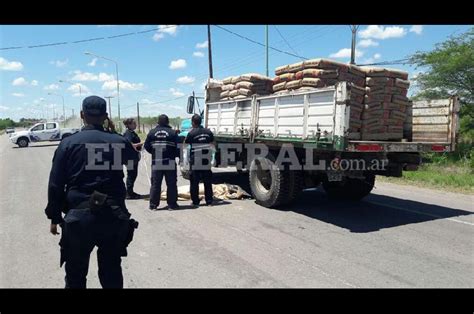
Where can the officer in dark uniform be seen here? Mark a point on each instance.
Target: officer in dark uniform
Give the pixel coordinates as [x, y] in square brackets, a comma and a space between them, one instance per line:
[132, 172]
[201, 140]
[87, 185]
[162, 143]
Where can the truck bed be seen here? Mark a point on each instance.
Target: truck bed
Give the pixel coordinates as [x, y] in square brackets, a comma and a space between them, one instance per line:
[319, 118]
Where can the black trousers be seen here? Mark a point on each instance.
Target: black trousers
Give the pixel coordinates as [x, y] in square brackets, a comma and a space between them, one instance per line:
[206, 177]
[171, 186]
[132, 176]
[79, 239]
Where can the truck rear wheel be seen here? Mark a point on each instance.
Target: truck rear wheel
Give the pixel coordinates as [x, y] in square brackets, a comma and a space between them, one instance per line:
[23, 142]
[350, 188]
[269, 183]
[295, 182]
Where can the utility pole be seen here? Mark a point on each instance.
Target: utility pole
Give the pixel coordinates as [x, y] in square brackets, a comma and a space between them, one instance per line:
[354, 29]
[138, 116]
[110, 108]
[209, 50]
[72, 113]
[266, 50]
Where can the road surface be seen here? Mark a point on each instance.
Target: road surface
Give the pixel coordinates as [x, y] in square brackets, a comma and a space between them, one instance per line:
[399, 236]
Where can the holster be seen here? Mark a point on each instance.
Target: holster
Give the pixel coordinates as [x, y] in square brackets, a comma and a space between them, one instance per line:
[127, 235]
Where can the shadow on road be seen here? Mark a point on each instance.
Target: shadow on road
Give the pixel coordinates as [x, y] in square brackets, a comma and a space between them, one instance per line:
[373, 213]
[35, 146]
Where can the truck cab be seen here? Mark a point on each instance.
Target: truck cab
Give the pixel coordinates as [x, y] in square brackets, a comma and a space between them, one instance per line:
[41, 132]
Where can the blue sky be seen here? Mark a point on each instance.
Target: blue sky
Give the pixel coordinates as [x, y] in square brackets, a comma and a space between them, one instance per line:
[157, 67]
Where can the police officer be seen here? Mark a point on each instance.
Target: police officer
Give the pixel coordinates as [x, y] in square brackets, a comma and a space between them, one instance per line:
[201, 140]
[88, 187]
[162, 143]
[132, 172]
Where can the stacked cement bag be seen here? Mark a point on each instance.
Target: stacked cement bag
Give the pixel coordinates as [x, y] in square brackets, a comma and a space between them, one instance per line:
[245, 85]
[213, 90]
[316, 73]
[385, 104]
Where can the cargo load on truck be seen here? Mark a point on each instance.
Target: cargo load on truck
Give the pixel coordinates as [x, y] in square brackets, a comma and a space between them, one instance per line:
[245, 85]
[378, 96]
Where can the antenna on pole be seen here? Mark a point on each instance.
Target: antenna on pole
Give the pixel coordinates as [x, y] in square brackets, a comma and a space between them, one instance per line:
[354, 29]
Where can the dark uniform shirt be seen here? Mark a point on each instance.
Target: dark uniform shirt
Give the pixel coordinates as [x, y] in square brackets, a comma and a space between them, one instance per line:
[70, 183]
[200, 139]
[131, 136]
[162, 143]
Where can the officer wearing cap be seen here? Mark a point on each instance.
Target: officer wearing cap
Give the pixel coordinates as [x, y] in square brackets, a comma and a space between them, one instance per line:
[162, 143]
[201, 140]
[86, 184]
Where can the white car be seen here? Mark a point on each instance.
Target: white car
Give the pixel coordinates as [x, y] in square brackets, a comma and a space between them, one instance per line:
[41, 132]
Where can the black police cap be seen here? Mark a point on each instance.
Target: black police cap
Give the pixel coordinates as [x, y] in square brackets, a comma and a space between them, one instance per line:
[94, 106]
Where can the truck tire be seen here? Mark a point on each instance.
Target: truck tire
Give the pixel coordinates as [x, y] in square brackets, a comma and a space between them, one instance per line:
[350, 188]
[269, 183]
[23, 142]
[295, 181]
[185, 173]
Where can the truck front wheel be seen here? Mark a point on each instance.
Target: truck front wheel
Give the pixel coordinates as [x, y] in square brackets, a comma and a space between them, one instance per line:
[268, 182]
[23, 142]
[350, 188]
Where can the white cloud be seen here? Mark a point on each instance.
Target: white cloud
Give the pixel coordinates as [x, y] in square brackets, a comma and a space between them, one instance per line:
[4, 108]
[371, 59]
[198, 54]
[202, 45]
[177, 64]
[364, 43]
[10, 65]
[87, 76]
[146, 101]
[112, 85]
[37, 101]
[165, 29]
[417, 29]
[168, 29]
[176, 92]
[20, 81]
[76, 91]
[18, 95]
[93, 62]
[382, 32]
[34, 83]
[346, 53]
[51, 87]
[185, 80]
[158, 36]
[59, 63]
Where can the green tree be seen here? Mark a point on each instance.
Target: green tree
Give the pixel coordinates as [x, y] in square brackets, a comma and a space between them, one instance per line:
[449, 69]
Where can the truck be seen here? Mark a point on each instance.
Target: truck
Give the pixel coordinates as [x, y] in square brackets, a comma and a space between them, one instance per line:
[312, 127]
[41, 132]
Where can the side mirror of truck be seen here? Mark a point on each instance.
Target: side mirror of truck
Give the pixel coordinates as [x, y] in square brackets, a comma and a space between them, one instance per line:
[190, 107]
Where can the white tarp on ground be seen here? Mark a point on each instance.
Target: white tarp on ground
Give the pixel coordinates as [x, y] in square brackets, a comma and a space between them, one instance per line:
[221, 191]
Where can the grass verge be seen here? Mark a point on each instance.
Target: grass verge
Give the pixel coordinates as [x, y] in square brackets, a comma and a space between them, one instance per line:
[454, 177]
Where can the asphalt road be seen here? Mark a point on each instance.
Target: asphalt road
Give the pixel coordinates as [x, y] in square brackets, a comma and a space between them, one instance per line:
[400, 236]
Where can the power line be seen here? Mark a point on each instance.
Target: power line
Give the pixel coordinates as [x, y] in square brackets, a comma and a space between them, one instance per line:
[284, 39]
[86, 40]
[259, 43]
[393, 62]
